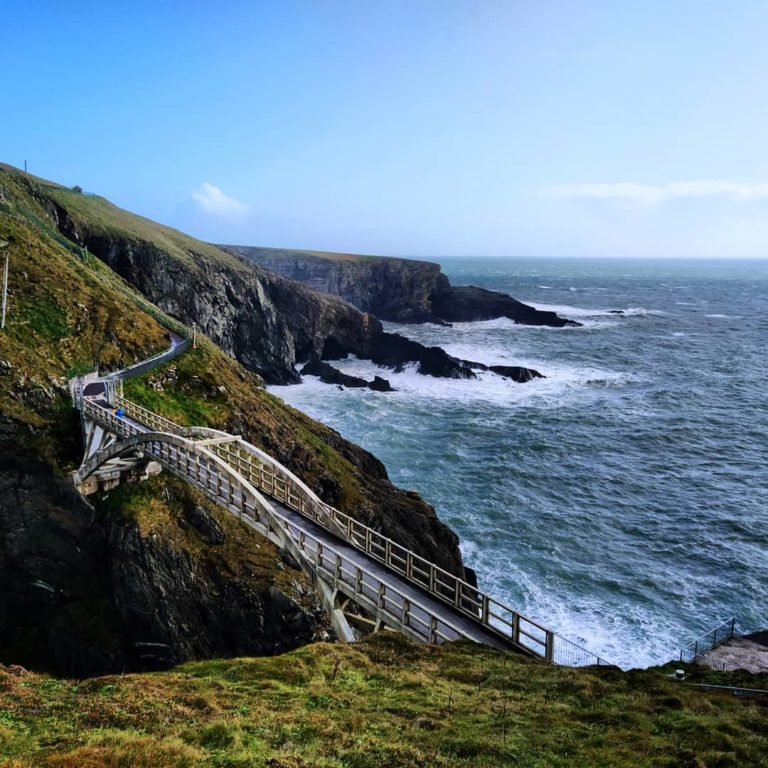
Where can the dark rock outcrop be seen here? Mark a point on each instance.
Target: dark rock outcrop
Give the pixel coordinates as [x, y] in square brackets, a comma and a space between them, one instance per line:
[330, 375]
[400, 290]
[380, 385]
[395, 351]
[470, 303]
[86, 593]
[516, 372]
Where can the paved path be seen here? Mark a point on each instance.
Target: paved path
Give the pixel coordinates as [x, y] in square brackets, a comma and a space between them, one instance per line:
[750, 653]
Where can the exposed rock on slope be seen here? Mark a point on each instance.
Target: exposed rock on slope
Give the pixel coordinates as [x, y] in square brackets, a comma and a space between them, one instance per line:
[401, 290]
[175, 579]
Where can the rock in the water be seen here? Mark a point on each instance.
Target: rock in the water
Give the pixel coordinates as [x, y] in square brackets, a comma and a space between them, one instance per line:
[330, 375]
[470, 303]
[395, 351]
[516, 373]
[380, 385]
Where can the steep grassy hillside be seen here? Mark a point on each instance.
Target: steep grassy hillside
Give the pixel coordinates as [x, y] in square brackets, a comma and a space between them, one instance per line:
[384, 703]
[67, 314]
[204, 388]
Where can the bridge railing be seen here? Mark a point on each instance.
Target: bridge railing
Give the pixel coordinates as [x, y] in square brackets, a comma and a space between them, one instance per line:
[267, 474]
[385, 599]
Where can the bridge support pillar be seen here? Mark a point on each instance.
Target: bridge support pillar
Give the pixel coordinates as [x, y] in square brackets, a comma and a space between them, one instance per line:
[107, 479]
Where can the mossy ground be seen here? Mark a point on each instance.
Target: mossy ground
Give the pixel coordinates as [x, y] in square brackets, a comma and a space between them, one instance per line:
[382, 702]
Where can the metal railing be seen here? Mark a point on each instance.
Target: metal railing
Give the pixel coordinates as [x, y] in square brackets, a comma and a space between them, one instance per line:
[725, 630]
[267, 474]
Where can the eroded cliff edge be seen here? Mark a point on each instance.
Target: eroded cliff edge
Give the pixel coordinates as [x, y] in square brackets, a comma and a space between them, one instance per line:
[400, 290]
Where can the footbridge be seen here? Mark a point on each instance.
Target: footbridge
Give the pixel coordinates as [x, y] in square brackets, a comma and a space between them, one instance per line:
[348, 562]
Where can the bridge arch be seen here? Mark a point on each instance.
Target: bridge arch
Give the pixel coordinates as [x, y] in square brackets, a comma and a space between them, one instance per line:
[189, 447]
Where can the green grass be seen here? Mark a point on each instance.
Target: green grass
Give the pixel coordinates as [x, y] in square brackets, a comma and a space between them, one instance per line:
[66, 315]
[100, 216]
[382, 702]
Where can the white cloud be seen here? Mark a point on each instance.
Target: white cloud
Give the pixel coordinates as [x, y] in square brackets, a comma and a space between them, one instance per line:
[656, 194]
[214, 202]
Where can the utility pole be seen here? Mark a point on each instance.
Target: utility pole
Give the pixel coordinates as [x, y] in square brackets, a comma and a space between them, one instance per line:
[25, 166]
[5, 290]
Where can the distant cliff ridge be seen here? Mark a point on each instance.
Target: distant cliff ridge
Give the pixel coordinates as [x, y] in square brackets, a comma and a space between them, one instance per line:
[400, 290]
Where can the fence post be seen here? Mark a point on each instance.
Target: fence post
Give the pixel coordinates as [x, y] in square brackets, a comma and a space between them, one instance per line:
[549, 648]
[406, 620]
[485, 609]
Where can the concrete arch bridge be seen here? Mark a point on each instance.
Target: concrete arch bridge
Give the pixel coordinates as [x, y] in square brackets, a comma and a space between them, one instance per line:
[346, 560]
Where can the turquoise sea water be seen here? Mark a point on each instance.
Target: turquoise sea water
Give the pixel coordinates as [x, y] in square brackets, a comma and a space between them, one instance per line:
[623, 500]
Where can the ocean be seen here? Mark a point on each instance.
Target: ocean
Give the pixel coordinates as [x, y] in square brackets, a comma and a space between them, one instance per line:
[623, 499]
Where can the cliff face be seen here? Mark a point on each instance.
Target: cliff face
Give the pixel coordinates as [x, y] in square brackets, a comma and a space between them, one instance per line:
[89, 591]
[265, 321]
[392, 289]
[400, 290]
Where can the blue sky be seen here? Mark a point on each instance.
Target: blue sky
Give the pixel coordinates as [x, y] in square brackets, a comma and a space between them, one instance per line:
[415, 128]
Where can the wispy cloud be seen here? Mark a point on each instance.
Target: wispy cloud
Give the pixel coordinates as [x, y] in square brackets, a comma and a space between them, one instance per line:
[656, 194]
[213, 201]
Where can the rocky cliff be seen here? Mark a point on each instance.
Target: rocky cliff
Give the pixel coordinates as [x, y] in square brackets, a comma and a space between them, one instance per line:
[390, 288]
[400, 290]
[265, 321]
[154, 575]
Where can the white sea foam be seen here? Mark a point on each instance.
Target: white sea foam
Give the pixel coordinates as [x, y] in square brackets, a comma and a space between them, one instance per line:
[579, 312]
[625, 634]
[562, 381]
[723, 317]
